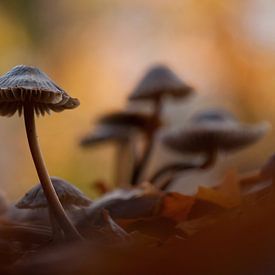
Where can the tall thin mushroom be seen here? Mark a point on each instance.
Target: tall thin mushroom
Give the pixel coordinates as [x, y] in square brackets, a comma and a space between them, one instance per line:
[157, 83]
[28, 90]
[209, 133]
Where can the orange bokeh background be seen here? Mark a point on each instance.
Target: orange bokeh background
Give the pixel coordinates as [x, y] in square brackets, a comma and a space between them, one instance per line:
[98, 50]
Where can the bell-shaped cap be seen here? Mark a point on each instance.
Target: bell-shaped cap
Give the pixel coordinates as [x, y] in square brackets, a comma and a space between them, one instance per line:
[106, 133]
[130, 119]
[159, 81]
[28, 84]
[214, 133]
[67, 193]
[119, 126]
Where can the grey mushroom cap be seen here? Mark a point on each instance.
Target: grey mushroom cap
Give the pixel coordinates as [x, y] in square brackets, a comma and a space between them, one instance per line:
[268, 170]
[118, 126]
[28, 84]
[209, 135]
[106, 133]
[158, 81]
[213, 115]
[68, 194]
[130, 119]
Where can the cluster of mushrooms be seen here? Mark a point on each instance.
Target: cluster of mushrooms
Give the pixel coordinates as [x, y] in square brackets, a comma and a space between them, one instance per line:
[60, 204]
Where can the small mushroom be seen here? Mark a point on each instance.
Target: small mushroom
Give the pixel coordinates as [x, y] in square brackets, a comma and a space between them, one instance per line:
[208, 133]
[68, 194]
[121, 128]
[28, 90]
[159, 82]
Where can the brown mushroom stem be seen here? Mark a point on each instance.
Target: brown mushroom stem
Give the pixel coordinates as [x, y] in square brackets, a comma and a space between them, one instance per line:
[210, 160]
[57, 233]
[142, 164]
[54, 204]
[125, 160]
[175, 168]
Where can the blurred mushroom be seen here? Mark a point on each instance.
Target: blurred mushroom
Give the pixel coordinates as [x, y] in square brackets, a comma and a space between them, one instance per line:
[209, 133]
[29, 90]
[159, 82]
[121, 128]
[68, 194]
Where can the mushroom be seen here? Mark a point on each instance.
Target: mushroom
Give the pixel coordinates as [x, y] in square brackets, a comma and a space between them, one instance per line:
[121, 127]
[28, 90]
[209, 133]
[159, 82]
[68, 194]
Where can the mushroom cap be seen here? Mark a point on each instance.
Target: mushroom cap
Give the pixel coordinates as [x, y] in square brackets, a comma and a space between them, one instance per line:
[214, 132]
[67, 193]
[29, 84]
[268, 170]
[214, 115]
[130, 119]
[119, 126]
[158, 81]
[104, 133]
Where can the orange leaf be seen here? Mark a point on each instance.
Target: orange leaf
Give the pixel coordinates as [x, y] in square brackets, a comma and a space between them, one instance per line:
[176, 206]
[227, 194]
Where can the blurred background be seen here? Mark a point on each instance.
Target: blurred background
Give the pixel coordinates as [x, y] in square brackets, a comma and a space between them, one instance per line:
[97, 50]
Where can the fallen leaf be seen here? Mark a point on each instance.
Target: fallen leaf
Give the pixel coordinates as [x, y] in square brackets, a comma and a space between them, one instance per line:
[176, 206]
[227, 194]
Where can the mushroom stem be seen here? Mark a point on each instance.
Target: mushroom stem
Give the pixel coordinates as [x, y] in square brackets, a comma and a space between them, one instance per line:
[54, 204]
[210, 160]
[57, 233]
[124, 162]
[142, 164]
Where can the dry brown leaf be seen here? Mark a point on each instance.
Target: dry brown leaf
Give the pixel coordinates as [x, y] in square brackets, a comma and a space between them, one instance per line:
[176, 206]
